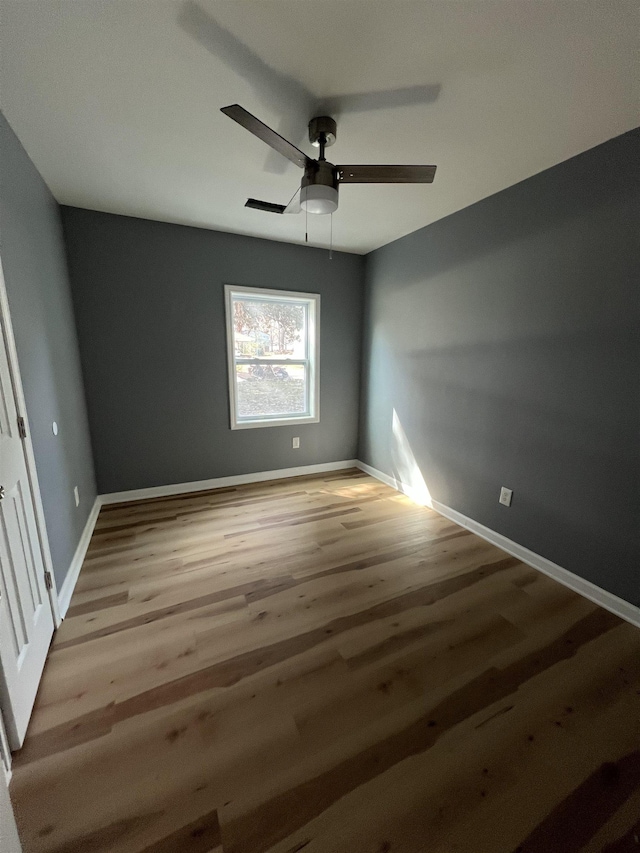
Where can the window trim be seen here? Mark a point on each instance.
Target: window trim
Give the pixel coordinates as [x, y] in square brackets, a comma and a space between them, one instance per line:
[313, 361]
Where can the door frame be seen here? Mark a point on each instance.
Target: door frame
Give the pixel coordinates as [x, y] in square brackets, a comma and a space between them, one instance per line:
[27, 447]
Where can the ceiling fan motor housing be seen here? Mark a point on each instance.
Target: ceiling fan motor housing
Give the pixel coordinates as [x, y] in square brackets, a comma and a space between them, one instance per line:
[320, 125]
[319, 188]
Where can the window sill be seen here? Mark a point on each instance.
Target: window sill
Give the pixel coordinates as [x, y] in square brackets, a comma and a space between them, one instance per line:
[257, 424]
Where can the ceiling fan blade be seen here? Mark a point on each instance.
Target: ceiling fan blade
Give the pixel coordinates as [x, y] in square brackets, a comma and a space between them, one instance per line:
[294, 205]
[270, 207]
[267, 206]
[385, 174]
[266, 134]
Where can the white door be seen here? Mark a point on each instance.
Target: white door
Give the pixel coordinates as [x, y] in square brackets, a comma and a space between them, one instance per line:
[26, 620]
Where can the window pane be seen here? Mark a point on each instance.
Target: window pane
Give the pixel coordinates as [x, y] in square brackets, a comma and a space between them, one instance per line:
[272, 390]
[266, 328]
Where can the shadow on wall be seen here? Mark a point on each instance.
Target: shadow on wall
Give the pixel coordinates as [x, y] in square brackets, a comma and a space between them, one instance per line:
[559, 197]
[492, 406]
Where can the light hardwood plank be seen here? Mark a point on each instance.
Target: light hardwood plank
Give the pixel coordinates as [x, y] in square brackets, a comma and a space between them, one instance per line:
[319, 665]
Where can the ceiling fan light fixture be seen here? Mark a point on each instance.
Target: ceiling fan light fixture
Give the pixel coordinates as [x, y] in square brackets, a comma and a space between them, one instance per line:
[319, 198]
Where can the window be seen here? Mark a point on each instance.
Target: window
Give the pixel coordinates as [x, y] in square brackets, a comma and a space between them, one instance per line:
[273, 351]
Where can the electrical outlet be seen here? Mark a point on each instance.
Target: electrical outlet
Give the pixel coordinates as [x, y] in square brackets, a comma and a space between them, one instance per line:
[505, 496]
[76, 495]
[295, 443]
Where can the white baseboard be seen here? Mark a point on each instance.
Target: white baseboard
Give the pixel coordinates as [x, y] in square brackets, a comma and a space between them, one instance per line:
[222, 482]
[69, 583]
[388, 480]
[608, 600]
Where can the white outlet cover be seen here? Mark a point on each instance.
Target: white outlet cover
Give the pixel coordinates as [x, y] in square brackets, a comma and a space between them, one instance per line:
[76, 495]
[505, 496]
[296, 443]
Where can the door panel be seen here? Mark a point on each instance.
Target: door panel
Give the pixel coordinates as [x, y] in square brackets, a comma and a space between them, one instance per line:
[26, 620]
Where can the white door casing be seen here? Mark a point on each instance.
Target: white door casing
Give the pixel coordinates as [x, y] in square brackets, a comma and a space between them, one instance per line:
[26, 612]
[5, 751]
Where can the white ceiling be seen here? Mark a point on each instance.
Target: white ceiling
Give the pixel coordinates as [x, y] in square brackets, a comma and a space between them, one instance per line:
[117, 101]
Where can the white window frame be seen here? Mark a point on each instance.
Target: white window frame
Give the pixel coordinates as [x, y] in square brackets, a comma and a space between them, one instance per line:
[312, 361]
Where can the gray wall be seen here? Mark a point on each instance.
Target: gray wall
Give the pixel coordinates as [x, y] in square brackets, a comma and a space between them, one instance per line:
[506, 339]
[33, 258]
[149, 301]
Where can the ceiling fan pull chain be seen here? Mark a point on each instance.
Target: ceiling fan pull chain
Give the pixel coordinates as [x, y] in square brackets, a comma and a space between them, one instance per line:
[306, 226]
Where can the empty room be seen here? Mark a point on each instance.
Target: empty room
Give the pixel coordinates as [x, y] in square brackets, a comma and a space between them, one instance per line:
[319, 426]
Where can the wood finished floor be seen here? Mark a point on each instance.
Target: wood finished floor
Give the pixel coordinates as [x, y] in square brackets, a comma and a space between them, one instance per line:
[319, 665]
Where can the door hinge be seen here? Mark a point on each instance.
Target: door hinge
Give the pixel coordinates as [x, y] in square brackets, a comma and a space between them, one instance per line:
[48, 582]
[22, 429]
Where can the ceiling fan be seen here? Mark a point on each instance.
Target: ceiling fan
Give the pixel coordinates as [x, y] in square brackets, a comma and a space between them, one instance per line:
[318, 192]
